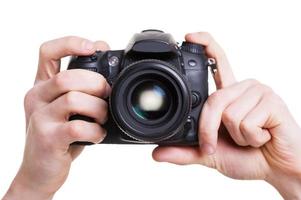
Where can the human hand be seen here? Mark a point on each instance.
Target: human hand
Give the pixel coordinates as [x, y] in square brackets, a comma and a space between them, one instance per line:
[48, 105]
[246, 131]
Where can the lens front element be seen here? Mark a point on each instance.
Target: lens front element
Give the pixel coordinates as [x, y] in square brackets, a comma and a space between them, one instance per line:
[150, 100]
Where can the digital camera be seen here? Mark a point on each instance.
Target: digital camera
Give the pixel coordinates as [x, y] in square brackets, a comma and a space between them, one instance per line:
[158, 89]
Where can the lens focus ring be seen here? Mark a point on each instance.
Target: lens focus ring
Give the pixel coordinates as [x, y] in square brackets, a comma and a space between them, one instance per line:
[150, 100]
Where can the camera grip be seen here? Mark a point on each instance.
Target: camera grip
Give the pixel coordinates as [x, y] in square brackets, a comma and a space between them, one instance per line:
[85, 118]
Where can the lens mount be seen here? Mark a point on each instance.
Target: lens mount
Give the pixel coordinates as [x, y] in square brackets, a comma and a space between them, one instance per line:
[150, 100]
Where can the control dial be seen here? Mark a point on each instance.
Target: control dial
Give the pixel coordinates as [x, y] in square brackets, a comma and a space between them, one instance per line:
[192, 48]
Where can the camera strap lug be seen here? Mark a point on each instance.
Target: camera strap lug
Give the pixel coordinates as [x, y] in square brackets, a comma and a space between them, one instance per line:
[211, 63]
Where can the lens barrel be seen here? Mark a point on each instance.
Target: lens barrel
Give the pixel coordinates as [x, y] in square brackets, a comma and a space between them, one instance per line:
[150, 100]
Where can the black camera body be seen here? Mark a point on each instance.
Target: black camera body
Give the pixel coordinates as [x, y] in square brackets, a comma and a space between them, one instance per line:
[158, 89]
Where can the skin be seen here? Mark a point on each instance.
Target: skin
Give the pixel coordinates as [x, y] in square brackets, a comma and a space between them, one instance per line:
[246, 131]
[56, 96]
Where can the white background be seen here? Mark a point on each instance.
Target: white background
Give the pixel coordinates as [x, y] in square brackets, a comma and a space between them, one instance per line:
[261, 39]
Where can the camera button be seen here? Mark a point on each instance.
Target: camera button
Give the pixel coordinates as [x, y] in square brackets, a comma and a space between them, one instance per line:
[190, 128]
[195, 99]
[192, 63]
[113, 61]
[93, 57]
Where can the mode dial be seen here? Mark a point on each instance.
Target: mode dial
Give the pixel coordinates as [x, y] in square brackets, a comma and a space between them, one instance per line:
[192, 48]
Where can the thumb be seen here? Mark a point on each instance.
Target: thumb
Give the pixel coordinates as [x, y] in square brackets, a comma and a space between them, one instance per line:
[183, 156]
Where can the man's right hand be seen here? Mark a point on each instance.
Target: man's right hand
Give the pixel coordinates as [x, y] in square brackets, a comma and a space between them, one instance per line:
[48, 105]
[246, 131]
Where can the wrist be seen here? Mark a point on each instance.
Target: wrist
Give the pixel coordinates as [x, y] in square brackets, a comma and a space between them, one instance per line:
[23, 189]
[289, 186]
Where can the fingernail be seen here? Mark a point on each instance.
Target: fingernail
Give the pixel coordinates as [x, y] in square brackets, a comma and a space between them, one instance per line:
[108, 90]
[103, 136]
[105, 133]
[207, 148]
[88, 45]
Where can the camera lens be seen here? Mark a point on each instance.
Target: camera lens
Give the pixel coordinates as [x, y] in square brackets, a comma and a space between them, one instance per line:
[150, 100]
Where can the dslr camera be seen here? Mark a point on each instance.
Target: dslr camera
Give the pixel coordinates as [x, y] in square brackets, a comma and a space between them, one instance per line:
[158, 89]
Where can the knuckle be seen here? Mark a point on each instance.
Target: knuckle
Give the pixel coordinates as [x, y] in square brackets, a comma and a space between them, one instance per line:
[70, 98]
[252, 81]
[228, 117]
[103, 45]
[276, 101]
[74, 129]
[42, 134]
[35, 117]
[256, 142]
[240, 142]
[61, 80]
[214, 98]
[207, 35]
[207, 134]
[44, 48]
[252, 137]
[279, 102]
[29, 97]
[30, 101]
[263, 88]
[238, 138]
[267, 89]
[71, 39]
[245, 126]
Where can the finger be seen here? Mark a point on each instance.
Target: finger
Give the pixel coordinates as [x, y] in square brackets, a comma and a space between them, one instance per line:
[224, 76]
[253, 125]
[212, 111]
[237, 111]
[101, 45]
[80, 103]
[183, 156]
[72, 80]
[80, 131]
[52, 51]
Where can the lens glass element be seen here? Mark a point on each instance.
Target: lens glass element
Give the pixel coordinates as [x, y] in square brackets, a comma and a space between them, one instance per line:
[150, 100]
